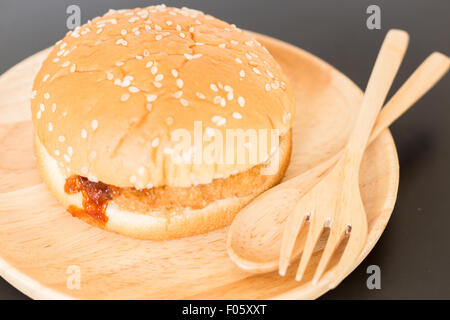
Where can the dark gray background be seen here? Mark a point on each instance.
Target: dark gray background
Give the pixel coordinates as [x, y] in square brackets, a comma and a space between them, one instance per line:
[413, 252]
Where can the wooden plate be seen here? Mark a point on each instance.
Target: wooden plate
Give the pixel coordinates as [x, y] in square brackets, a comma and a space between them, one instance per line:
[40, 242]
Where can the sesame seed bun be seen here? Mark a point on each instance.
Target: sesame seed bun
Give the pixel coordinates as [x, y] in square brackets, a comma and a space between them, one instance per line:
[112, 93]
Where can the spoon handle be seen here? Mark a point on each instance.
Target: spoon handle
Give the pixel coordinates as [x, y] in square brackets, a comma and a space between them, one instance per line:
[419, 83]
[386, 67]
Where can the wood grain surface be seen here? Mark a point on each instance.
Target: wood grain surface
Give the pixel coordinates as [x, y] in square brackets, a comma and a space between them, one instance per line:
[39, 240]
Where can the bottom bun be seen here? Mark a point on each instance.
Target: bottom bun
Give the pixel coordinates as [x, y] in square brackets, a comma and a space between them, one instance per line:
[154, 225]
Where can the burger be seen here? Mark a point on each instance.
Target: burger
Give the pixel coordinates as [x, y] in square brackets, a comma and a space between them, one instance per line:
[132, 115]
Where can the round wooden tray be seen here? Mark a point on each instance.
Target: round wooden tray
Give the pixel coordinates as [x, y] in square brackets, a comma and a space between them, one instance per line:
[40, 241]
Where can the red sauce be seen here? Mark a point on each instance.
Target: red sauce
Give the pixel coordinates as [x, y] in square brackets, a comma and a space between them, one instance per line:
[95, 198]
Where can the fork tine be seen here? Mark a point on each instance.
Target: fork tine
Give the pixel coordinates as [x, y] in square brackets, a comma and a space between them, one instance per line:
[293, 225]
[333, 241]
[311, 241]
[350, 255]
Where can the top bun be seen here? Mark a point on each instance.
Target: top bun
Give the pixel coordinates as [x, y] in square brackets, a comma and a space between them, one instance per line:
[110, 94]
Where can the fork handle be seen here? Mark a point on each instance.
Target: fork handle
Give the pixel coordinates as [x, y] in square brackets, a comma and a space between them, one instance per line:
[386, 67]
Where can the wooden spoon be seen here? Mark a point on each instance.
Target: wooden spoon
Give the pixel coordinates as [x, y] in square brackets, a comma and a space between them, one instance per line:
[254, 238]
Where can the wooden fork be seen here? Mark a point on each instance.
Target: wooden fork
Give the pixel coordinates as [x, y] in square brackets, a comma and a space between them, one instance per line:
[335, 202]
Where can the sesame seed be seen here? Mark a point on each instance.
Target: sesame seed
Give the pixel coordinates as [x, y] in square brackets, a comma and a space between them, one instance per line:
[57, 153]
[217, 99]
[241, 101]
[94, 124]
[191, 29]
[151, 97]
[188, 56]
[178, 27]
[249, 57]
[159, 77]
[125, 97]
[127, 81]
[53, 107]
[133, 89]
[178, 94]
[237, 115]
[45, 77]
[182, 35]
[41, 107]
[146, 53]
[50, 126]
[61, 138]
[70, 150]
[222, 45]
[169, 22]
[223, 102]
[123, 32]
[72, 68]
[139, 57]
[218, 120]
[242, 73]
[230, 95]
[55, 60]
[269, 73]
[196, 56]
[214, 87]
[133, 179]
[184, 102]
[256, 70]
[268, 87]
[155, 142]
[180, 83]
[238, 60]
[275, 85]
[175, 73]
[200, 95]
[109, 76]
[158, 37]
[38, 114]
[65, 64]
[149, 64]
[122, 42]
[154, 69]
[33, 94]
[148, 106]
[83, 133]
[47, 95]
[157, 84]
